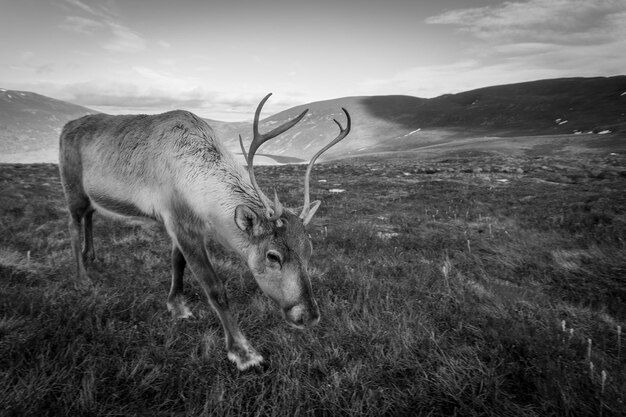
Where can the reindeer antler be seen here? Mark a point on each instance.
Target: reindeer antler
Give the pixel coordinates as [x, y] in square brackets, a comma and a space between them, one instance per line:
[342, 134]
[257, 140]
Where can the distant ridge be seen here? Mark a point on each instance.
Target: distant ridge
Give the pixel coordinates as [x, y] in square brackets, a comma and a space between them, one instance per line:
[562, 105]
[30, 123]
[399, 123]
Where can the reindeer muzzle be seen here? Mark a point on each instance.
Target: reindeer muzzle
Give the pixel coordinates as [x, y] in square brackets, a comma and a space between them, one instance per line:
[302, 315]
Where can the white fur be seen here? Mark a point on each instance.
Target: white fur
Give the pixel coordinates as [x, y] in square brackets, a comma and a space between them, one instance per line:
[254, 360]
[179, 309]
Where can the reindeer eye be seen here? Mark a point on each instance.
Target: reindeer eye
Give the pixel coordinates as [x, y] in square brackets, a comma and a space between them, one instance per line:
[274, 257]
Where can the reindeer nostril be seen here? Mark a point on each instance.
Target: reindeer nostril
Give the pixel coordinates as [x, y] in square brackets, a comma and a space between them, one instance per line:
[300, 317]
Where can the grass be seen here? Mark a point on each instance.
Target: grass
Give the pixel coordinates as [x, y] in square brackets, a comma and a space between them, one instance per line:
[465, 285]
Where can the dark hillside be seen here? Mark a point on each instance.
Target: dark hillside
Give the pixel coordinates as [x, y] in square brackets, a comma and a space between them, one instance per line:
[558, 106]
[30, 123]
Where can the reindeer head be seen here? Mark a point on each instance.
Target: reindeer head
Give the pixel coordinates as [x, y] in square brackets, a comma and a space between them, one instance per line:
[280, 246]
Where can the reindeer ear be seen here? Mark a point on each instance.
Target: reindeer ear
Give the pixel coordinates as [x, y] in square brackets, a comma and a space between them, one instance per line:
[312, 209]
[247, 220]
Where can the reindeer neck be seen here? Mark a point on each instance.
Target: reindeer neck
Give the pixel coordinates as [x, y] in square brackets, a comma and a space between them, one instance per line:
[221, 189]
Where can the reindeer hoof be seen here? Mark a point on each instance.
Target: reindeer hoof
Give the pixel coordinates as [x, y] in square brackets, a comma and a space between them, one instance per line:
[245, 357]
[89, 257]
[82, 283]
[179, 309]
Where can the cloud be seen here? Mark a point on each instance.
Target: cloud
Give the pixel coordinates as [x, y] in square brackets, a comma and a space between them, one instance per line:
[547, 32]
[81, 25]
[157, 92]
[26, 55]
[155, 75]
[41, 69]
[79, 4]
[432, 81]
[565, 22]
[527, 62]
[521, 41]
[154, 90]
[126, 94]
[122, 38]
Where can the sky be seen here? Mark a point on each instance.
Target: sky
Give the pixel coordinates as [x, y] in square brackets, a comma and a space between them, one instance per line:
[218, 58]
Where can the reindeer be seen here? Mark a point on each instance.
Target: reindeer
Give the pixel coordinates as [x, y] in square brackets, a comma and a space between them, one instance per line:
[170, 168]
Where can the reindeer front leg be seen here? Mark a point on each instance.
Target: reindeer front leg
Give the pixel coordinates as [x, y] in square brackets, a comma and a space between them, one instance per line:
[239, 350]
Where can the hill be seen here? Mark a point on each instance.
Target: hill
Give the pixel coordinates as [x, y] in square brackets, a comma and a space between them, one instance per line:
[31, 123]
[546, 108]
[557, 106]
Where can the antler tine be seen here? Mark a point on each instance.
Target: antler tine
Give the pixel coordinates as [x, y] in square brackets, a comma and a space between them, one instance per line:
[342, 134]
[257, 140]
[243, 149]
[261, 138]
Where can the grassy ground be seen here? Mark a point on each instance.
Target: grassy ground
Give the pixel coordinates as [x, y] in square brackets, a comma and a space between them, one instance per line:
[464, 285]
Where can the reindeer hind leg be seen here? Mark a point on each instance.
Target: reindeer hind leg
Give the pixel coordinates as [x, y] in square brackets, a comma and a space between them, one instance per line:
[78, 202]
[78, 209]
[176, 302]
[89, 254]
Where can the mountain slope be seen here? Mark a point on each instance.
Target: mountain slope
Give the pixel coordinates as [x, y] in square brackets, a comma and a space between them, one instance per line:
[32, 122]
[400, 123]
[318, 127]
[543, 107]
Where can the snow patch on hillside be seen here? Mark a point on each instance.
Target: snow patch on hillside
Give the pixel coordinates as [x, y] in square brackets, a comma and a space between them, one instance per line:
[410, 133]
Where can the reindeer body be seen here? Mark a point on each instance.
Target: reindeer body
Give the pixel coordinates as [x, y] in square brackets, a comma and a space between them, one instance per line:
[170, 168]
[186, 173]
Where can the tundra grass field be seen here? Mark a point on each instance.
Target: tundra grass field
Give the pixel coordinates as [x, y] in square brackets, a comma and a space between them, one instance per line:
[461, 285]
